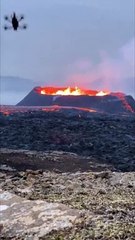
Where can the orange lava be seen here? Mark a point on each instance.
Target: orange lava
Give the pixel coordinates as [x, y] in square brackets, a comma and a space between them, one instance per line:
[69, 91]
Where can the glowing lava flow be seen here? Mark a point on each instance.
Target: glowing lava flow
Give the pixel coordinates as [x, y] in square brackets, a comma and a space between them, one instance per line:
[58, 108]
[70, 91]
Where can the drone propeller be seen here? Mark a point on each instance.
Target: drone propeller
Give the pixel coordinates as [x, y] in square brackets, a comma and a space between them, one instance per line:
[23, 26]
[7, 18]
[22, 17]
[7, 27]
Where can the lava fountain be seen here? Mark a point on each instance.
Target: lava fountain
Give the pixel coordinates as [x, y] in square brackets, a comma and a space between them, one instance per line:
[69, 91]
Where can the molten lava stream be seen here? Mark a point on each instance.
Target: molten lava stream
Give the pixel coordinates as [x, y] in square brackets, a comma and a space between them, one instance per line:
[57, 108]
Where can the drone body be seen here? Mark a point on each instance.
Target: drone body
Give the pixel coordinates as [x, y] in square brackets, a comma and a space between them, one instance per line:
[15, 22]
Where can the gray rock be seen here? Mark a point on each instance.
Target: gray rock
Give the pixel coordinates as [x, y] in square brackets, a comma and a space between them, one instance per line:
[21, 217]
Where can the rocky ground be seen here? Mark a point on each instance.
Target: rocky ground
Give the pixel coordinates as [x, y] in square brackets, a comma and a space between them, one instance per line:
[83, 165]
[105, 202]
[108, 139]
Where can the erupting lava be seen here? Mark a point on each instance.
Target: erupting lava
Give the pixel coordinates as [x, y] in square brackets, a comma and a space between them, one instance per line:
[69, 91]
[55, 98]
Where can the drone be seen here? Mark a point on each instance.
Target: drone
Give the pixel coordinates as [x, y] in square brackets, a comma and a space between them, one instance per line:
[15, 22]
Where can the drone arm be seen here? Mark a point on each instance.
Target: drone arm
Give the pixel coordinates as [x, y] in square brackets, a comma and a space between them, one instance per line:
[21, 18]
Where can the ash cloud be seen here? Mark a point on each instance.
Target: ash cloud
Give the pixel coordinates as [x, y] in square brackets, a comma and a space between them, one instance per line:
[110, 73]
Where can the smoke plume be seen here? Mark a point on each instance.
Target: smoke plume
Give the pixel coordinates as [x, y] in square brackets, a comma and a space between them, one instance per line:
[111, 73]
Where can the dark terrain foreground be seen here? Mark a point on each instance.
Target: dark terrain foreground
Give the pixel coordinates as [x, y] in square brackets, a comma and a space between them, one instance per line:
[107, 139]
[83, 164]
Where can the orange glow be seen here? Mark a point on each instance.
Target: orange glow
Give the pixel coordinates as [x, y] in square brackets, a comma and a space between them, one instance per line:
[57, 108]
[69, 91]
[6, 113]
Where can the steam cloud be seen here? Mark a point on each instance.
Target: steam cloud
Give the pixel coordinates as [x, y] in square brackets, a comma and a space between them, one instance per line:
[114, 74]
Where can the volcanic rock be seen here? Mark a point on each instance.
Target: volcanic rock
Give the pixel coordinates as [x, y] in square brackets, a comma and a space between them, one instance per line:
[104, 207]
[21, 217]
[97, 139]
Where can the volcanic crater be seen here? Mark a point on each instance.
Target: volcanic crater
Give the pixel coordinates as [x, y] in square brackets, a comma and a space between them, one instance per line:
[90, 100]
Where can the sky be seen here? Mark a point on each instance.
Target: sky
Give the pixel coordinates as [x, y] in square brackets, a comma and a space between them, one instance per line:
[84, 43]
